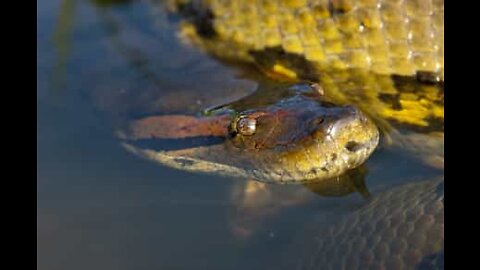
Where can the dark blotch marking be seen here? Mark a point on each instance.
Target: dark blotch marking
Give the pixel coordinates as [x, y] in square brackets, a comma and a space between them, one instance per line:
[410, 84]
[434, 125]
[302, 67]
[184, 162]
[392, 99]
[428, 77]
[413, 83]
[200, 16]
[334, 10]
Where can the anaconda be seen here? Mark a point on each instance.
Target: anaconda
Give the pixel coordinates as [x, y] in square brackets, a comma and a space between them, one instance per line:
[369, 54]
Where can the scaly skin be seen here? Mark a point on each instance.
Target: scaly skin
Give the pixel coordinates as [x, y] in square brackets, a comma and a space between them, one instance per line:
[400, 37]
[402, 228]
[350, 47]
[362, 43]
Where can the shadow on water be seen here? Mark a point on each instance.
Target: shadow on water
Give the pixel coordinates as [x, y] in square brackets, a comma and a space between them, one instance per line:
[136, 59]
[62, 37]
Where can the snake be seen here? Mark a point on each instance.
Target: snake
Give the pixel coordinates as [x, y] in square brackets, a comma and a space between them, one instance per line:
[347, 73]
[297, 139]
[402, 228]
[382, 60]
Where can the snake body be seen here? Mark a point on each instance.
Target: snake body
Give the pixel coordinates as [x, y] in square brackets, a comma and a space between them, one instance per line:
[403, 37]
[402, 228]
[350, 47]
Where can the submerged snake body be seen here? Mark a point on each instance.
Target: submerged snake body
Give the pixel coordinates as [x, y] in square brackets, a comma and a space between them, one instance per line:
[402, 228]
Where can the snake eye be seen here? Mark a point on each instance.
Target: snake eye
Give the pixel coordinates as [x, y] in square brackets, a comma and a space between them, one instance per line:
[246, 126]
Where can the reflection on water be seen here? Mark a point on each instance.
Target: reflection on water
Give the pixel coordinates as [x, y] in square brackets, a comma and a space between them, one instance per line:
[103, 62]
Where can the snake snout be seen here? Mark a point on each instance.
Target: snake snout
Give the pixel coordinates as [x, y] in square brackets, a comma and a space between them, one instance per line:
[355, 133]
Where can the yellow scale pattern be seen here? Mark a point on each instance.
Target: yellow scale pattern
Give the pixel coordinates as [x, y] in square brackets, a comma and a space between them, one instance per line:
[354, 44]
[384, 36]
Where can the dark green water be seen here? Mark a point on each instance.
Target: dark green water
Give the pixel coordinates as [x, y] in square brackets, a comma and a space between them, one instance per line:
[100, 207]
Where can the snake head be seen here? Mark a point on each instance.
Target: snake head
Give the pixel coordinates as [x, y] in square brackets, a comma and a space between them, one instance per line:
[301, 139]
[297, 139]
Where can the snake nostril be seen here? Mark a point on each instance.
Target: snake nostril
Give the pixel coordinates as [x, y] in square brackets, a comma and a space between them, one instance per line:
[353, 146]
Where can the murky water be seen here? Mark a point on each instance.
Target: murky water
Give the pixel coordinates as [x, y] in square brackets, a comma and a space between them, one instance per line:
[99, 207]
